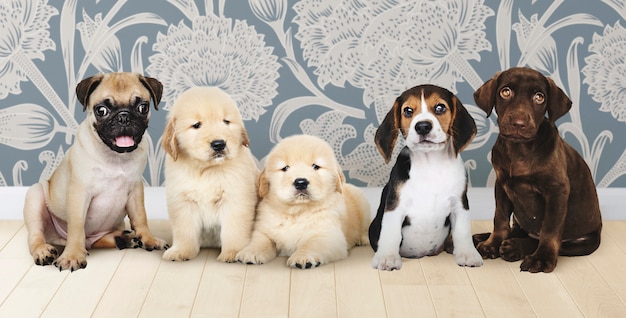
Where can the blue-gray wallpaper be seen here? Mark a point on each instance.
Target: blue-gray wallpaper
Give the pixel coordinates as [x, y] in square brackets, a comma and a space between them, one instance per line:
[330, 68]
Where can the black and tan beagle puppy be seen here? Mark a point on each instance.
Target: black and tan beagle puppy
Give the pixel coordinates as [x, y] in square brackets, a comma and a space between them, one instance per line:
[425, 199]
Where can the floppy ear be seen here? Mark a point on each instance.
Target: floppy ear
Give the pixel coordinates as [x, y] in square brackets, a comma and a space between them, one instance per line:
[340, 180]
[264, 185]
[86, 87]
[485, 95]
[154, 87]
[463, 126]
[558, 102]
[168, 141]
[387, 132]
[245, 141]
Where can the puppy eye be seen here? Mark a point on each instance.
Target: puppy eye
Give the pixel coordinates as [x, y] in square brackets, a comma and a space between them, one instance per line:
[440, 109]
[143, 108]
[408, 112]
[285, 168]
[196, 125]
[226, 121]
[506, 92]
[102, 111]
[315, 167]
[539, 98]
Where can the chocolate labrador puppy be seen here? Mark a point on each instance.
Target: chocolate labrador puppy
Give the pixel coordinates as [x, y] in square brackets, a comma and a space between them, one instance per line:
[540, 179]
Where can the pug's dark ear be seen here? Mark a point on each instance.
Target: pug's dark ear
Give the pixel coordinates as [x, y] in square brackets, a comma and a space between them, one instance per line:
[154, 87]
[86, 87]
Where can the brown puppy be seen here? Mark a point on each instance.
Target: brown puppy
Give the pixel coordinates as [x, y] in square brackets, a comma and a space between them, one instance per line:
[99, 181]
[540, 179]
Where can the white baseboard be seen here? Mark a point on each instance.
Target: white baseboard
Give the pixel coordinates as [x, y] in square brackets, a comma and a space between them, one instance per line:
[480, 199]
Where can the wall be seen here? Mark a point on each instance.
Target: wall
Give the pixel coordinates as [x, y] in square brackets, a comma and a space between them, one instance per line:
[327, 67]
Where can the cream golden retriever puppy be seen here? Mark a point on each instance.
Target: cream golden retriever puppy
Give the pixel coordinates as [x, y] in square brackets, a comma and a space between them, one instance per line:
[210, 175]
[306, 210]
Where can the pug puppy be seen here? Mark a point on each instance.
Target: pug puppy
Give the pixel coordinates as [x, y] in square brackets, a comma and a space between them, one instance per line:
[99, 181]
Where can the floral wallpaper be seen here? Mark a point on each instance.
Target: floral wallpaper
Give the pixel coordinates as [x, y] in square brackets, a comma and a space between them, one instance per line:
[330, 68]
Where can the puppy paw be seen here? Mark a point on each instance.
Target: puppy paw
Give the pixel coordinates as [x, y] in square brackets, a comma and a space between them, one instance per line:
[45, 254]
[154, 244]
[178, 255]
[511, 251]
[227, 256]
[71, 260]
[488, 250]
[303, 261]
[387, 262]
[535, 264]
[468, 257]
[128, 239]
[250, 257]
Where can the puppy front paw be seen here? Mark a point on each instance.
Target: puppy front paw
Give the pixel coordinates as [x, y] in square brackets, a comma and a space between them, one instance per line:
[154, 243]
[45, 254]
[488, 250]
[252, 257]
[468, 257]
[71, 260]
[227, 256]
[387, 262]
[177, 254]
[538, 263]
[128, 239]
[303, 261]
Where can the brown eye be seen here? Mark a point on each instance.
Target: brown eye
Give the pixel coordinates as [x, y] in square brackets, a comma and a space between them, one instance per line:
[506, 93]
[408, 112]
[440, 109]
[539, 98]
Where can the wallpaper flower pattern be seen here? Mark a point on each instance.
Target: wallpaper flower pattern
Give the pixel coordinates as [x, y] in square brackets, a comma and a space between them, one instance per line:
[330, 68]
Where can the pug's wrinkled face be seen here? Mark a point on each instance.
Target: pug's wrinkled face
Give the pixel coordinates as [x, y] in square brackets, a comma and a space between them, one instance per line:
[119, 107]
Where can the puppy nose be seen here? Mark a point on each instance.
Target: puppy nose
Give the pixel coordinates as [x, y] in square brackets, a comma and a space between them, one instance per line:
[423, 127]
[122, 118]
[218, 145]
[301, 183]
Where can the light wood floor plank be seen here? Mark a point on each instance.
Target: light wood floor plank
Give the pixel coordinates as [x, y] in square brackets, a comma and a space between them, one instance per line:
[617, 231]
[405, 291]
[610, 262]
[266, 290]
[312, 292]
[130, 284]
[181, 277]
[359, 292]
[220, 289]
[8, 229]
[81, 291]
[15, 262]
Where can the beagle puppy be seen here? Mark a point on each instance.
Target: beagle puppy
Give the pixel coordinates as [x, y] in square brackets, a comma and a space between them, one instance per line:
[425, 199]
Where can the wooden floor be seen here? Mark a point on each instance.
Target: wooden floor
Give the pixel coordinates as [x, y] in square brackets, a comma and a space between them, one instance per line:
[133, 283]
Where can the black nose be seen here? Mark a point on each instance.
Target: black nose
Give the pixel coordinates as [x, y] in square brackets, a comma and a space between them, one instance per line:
[218, 145]
[122, 118]
[423, 127]
[301, 183]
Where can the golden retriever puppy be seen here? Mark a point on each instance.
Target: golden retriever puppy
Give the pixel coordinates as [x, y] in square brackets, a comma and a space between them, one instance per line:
[306, 210]
[210, 175]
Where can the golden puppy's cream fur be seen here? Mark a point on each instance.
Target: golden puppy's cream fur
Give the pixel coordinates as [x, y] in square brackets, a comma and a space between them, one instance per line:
[306, 210]
[211, 175]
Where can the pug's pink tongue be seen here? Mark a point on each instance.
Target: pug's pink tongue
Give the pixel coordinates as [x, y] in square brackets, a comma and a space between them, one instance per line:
[124, 141]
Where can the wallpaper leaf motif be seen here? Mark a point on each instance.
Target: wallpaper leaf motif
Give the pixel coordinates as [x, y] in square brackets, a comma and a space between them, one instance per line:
[331, 68]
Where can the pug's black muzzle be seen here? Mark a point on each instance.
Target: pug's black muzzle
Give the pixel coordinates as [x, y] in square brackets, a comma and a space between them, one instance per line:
[122, 129]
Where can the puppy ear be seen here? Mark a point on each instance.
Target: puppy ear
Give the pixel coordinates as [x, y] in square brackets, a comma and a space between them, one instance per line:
[340, 180]
[86, 87]
[485, 95]
[558, 102]
[387, 132]
[264, 184]
[463, 126]
[154, 87]
[168, 141]
[245, 140]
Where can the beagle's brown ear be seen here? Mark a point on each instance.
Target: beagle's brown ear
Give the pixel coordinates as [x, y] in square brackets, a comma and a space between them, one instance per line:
[387, 132]
[463, 126]
[264, 185]
[154, 87]
[86, 87]
[485, 96]
[558, 102]
[168, 141]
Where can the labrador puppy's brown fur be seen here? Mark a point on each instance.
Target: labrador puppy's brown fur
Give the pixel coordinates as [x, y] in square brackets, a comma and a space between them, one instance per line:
[306, 211]
[211, 175]
[540, 179]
